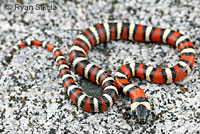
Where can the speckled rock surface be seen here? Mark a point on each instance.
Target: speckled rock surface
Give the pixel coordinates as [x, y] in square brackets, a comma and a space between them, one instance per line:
[32, 98]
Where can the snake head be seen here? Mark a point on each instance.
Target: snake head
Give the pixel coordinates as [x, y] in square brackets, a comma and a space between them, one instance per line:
[141, 111]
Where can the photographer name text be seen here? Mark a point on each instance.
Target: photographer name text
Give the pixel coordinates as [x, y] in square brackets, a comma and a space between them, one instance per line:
[30, 7]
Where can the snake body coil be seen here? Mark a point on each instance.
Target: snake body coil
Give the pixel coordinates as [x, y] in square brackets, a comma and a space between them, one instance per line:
[101, 33]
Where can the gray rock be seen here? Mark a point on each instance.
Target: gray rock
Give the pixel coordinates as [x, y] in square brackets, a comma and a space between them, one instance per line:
[32, 97]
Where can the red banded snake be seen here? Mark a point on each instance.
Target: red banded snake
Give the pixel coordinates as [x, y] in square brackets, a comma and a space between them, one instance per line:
[101, 33]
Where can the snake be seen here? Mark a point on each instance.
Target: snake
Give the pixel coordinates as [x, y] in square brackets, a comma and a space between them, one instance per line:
[104, 32]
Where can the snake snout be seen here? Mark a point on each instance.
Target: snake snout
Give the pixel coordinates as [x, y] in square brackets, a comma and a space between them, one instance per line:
[142, 119]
